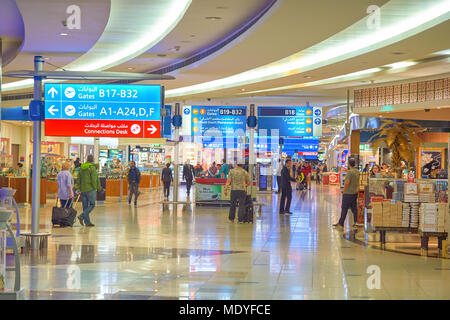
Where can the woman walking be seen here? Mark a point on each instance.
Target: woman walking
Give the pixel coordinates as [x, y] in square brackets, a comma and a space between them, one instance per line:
[65, 186]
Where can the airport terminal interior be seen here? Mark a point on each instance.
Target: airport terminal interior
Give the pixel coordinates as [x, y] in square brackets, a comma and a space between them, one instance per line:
[224, 149]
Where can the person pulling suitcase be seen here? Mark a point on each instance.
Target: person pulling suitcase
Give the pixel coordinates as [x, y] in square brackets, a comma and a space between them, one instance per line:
[239, 180]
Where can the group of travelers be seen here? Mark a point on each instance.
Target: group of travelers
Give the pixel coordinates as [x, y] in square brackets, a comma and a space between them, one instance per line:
[86, 186]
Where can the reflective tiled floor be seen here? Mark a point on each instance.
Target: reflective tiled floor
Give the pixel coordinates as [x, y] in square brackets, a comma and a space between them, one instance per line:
[156, 252]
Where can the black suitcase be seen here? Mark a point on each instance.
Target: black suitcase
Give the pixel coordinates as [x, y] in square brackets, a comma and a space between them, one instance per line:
[64, 217]
[249, 209]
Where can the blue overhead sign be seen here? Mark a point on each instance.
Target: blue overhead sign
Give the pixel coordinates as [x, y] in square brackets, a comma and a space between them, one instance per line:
[102, 102]
[291, 121]
[103, 110]
[214, 121]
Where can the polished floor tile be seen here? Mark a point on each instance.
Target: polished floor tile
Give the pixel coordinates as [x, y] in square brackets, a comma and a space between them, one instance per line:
[192, 253]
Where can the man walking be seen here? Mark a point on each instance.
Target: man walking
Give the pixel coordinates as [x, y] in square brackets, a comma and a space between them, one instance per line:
[239, 180]
[286, 188]
[134, 178]
[167, 178]
[188, 176]
[88, 183]
[350, 194]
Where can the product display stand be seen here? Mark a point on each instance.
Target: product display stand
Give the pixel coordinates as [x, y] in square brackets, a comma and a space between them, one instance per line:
[383, 231]
[442, 243]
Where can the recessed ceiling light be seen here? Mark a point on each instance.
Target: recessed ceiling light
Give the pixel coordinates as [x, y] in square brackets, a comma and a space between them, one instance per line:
[130, 68]
[242, 89]
[213, 18]
[63, 34]
[307, 77]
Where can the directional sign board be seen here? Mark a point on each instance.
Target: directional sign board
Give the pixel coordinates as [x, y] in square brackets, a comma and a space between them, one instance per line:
[101, 110]
[291, 121]
[214, 121]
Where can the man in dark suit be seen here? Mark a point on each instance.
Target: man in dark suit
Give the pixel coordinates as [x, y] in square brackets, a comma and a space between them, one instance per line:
[286, 188]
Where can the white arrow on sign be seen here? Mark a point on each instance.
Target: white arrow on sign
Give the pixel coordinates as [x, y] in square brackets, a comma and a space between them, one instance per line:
[153, 129]
[52, 110]
[52, 91]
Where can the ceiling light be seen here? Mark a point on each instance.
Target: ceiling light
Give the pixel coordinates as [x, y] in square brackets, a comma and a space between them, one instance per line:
[348, 43]
[213, 18]
[444, 52]
[307, 77]
[111, 50]
[402, 64]
[130, 68]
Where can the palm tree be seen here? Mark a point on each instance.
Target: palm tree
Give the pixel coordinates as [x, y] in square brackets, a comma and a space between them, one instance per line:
[401, 138]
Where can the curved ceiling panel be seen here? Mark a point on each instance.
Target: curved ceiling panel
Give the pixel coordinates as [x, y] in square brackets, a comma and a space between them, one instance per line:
[133, 27]
[401, 19]
[11, 31]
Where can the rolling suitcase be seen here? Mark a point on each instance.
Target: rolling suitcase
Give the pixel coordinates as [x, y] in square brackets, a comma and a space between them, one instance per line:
[249, 209]
[63, 216]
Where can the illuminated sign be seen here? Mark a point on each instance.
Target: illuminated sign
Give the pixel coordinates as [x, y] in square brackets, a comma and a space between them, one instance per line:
[100, 110]
[291, 121]
[214, 121]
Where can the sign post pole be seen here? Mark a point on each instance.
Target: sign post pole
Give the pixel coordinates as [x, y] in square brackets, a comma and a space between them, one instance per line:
[36, 176]
[176, 157]
[251, 148]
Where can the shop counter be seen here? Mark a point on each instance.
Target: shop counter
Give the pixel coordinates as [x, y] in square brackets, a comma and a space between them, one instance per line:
[20, 185]
[145, 181]
[43, 191]
[52, 186]
[155, 181]
[17, 183]
[326, 178]
[211, 191]
[113, 187]
[333, 178]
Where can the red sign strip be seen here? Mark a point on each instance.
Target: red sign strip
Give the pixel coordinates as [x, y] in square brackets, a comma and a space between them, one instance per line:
[102, 128]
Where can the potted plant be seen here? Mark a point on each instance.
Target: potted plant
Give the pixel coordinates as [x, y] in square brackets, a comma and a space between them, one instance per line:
[401, 138]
